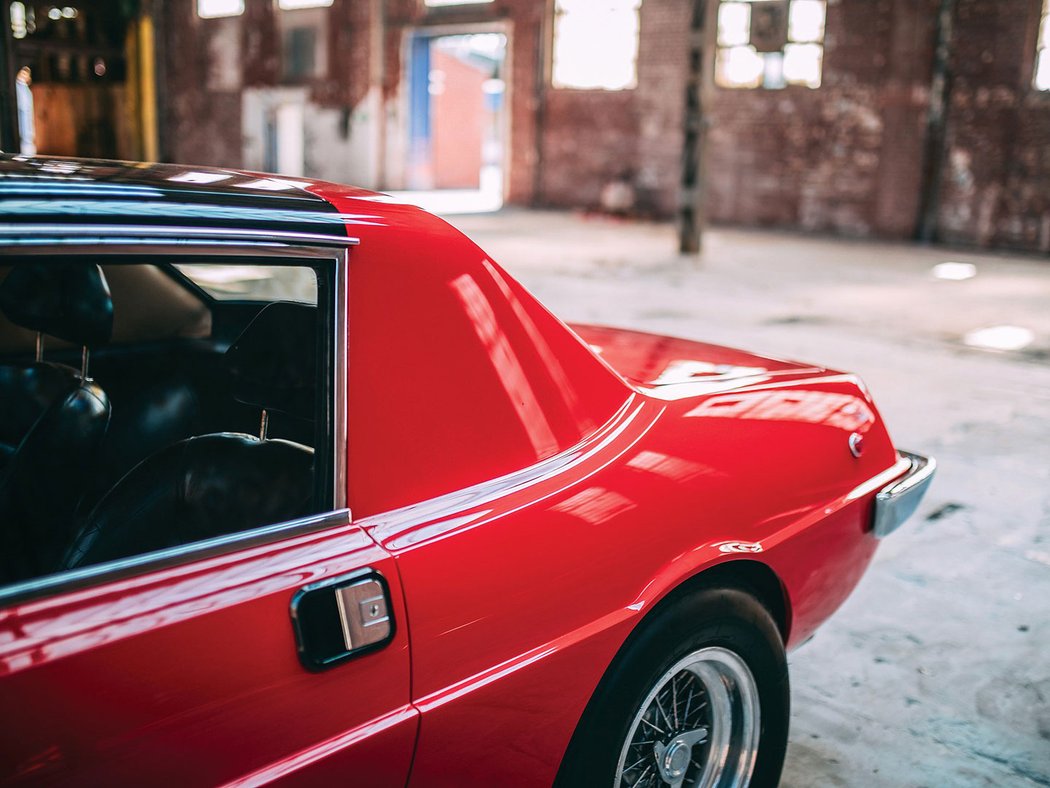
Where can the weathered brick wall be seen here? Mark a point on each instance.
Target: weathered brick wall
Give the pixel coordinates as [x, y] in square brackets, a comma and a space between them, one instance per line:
[207, 63]
[996, 186]
[594, 137]
[844, 158]
[201, 107]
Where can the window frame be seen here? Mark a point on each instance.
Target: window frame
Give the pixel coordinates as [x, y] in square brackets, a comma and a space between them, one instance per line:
[170, 244]
[789, 42]
[554, 84]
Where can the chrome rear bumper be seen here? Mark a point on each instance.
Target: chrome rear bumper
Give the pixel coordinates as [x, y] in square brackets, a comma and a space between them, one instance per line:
[897, 501]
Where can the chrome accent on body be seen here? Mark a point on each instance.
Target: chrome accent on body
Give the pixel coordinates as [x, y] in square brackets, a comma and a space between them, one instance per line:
[896, 502]
[879, 480]
[363, 614]
[122, 568]
[716, 747]
[340, 370]
[856, 444]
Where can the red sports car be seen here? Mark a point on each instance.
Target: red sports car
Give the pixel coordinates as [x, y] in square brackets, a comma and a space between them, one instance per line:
[297, 486]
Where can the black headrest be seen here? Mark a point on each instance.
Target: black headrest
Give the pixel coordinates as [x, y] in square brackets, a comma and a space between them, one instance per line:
[273, 362]
[70, 301]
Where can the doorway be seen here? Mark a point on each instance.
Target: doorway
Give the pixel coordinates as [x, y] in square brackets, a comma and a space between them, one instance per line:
[457, 120]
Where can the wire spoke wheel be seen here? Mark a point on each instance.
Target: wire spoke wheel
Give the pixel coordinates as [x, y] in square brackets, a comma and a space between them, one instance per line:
[699, 726]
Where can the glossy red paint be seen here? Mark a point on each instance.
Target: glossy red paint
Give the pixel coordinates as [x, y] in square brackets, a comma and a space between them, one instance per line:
[191, 674]
[530, 493]
[528, 566]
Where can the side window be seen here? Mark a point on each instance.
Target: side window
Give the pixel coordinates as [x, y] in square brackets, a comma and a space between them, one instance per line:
[154, 404]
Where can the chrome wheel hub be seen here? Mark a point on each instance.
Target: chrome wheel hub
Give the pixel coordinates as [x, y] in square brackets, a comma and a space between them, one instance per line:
[697, 728]
[675, 759]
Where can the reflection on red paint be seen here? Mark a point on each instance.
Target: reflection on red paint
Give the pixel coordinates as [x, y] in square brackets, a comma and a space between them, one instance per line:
[844, 411]
[595, 505]
[552, 365]
[689, 371]
[508, 366]
[674, 468]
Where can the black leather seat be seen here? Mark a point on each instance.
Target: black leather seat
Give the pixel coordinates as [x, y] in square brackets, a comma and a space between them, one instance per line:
[222, 483]
[54, 416]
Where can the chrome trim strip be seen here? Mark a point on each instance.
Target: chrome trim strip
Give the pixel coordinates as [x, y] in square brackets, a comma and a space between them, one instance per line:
[340, 371]
[35, 234]
[896, 502]
[879, 479]
[120, 569]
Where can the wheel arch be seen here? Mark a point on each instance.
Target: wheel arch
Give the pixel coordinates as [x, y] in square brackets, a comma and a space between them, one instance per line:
[753, 577]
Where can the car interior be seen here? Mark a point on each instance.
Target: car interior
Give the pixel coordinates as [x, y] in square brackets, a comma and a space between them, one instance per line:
[148, 405]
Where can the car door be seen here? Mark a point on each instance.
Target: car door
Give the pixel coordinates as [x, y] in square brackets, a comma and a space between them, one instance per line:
[190, 673]
[276, 654]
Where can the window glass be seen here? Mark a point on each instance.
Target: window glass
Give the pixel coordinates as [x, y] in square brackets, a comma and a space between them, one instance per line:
[770, 43]
[211, 9]
[291, 5]
[253, 282]
[587, 59]
[188, 418]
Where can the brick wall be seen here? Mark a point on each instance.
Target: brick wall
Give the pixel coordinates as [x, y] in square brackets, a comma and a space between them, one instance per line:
[996, 186]
[458, 118]
[846, 158]
[208, 63]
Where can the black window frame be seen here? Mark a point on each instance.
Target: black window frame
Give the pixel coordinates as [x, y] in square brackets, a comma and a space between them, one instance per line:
[327, 255]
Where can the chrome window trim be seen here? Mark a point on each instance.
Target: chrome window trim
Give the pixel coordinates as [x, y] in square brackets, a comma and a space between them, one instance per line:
[117, 235]
[166, 242]
[123, 568]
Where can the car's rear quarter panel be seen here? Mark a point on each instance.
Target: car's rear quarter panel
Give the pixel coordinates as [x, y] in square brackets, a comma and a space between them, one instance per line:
[519, 601]
[521, 587]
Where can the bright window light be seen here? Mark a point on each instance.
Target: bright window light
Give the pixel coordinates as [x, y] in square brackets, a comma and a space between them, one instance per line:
[1042, 70]
[802, 64]
[734, 24]
[806, 21]
[739, 67]
[587, 59]
[291, 5]
[18, 20]
[1041, 78]
[211, 9]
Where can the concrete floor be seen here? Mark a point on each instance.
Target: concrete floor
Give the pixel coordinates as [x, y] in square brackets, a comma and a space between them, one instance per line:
[936, 672]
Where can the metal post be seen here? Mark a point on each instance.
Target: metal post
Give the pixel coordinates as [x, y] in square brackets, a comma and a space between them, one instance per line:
[697, 100]
[9, 139]
[936, 124]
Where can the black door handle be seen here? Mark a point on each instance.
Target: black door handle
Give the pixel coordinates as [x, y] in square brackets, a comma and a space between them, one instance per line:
[341, 618]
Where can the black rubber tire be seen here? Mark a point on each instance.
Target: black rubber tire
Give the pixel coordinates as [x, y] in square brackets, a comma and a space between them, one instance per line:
[725, 617]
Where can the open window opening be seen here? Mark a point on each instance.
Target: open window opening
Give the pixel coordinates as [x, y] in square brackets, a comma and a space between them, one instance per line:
[457, 121]
[596, 44]
[157, 403]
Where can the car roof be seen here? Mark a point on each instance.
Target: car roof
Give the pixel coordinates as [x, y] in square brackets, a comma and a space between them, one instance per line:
[94, 191]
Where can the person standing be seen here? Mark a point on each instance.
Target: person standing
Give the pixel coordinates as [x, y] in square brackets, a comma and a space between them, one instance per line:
[26, 123]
